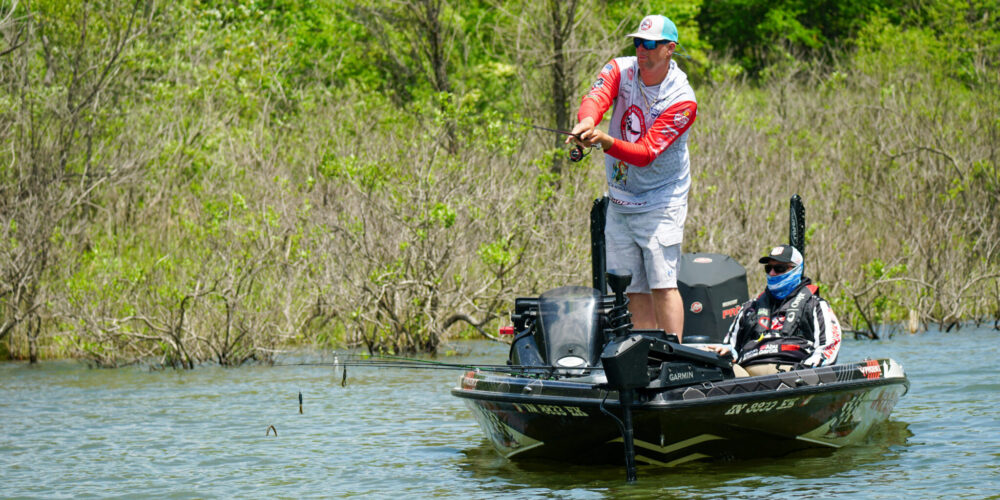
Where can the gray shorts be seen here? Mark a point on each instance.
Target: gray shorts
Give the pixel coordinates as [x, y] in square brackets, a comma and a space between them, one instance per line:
[647, 245]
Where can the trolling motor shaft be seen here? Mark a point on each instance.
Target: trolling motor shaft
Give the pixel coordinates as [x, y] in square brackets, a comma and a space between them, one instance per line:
[624, 361]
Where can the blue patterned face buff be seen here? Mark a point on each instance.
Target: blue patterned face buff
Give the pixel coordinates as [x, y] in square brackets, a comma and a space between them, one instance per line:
[783, 284]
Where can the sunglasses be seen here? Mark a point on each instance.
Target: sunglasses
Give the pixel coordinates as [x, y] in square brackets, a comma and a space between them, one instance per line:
[647, 44]
[778, 268]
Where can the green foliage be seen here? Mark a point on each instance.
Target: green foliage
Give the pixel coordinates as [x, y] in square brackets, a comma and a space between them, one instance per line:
[759, 32]
[496, 253]
[886, 306]
[442, 214]
[953, 40]
[259, 168]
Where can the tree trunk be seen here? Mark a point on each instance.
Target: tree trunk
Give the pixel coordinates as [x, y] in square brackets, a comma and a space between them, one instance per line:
[562, 81]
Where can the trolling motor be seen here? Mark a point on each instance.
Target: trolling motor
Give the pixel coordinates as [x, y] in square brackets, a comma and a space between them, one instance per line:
[648, 360]
[619, 317]
[620, 358]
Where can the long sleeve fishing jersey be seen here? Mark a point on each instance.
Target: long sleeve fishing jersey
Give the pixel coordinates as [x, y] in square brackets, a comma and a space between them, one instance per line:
[648, 166]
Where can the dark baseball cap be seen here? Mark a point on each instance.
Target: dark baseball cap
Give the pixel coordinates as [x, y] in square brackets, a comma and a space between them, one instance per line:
[783, 253]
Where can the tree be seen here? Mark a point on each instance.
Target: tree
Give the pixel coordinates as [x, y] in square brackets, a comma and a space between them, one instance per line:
[63, 89]
[13, 29]
[556, 45]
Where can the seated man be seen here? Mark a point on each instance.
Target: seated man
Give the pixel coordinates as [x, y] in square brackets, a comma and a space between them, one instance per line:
[787, 327]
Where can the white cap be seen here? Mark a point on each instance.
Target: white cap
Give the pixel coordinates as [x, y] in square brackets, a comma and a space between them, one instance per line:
[656, 28]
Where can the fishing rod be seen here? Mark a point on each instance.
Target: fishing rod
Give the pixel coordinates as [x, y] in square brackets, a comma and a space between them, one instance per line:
[435, 365]
[384, 360]
[398, 362]
[420, 364]
[366, 361]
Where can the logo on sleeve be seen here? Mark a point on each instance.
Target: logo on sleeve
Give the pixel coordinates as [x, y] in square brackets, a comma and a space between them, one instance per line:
[681, 119]
[669, 133]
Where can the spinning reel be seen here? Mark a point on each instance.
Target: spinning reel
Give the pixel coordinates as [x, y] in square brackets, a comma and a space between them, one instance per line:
[577, 153]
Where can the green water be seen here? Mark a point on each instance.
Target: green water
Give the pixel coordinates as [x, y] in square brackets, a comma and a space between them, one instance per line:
[70, 431]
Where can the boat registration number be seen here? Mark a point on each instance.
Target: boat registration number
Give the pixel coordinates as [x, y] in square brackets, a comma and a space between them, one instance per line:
[761, 406]
[569, 411]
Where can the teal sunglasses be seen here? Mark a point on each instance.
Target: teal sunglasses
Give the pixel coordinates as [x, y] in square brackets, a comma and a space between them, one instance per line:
[647, 44]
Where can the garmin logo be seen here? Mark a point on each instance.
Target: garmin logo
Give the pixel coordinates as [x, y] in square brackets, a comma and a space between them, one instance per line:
[681, 376]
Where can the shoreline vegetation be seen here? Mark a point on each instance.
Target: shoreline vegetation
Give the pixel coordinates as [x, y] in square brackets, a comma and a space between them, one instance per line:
[215, 181]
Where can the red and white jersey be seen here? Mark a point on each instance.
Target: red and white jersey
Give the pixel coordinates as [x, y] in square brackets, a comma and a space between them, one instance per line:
[648, 166]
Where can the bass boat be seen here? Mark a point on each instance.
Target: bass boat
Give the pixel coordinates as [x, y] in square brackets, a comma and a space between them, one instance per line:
[583, 386]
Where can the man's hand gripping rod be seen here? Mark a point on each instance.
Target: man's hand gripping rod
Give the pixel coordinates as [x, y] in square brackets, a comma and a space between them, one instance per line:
[577, 153]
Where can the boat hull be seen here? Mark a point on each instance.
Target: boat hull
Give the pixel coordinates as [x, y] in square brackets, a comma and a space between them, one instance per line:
[770, 415]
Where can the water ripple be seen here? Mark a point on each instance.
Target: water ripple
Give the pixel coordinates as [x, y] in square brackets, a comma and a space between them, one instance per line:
[74, 432]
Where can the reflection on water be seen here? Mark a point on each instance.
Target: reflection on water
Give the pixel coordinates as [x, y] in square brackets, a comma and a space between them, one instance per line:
[71, 431]
[786, 475]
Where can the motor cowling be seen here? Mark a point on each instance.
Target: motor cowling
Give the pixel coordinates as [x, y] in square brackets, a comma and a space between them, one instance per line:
[561, 328]
[713, 287]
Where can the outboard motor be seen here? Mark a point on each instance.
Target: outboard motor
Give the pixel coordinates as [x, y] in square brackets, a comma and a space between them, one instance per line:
[561, 328]
[569, 324]
[713, 287]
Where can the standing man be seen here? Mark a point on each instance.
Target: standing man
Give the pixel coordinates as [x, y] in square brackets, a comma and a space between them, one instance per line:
[647, 166]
